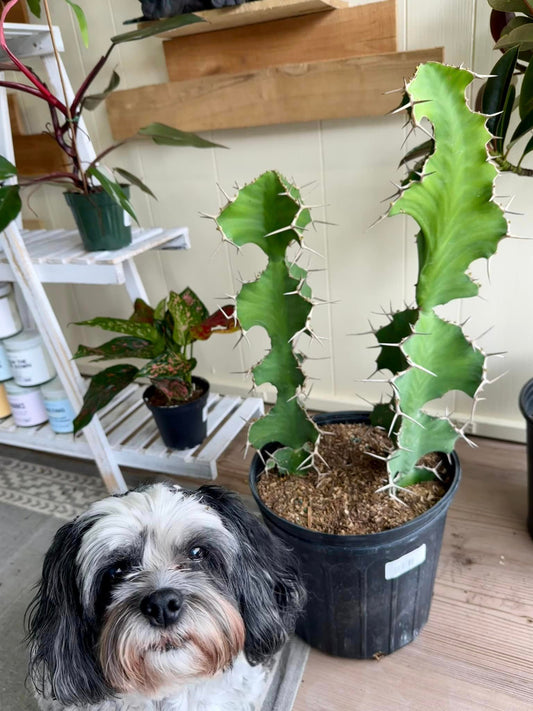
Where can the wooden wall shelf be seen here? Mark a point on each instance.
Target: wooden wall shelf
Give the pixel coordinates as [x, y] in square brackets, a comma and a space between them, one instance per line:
[323, 65]
[252, 13]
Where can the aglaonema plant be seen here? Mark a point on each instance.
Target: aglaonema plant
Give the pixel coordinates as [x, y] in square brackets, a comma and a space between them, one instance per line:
[451, 199]
[164, 337]
[269, 213]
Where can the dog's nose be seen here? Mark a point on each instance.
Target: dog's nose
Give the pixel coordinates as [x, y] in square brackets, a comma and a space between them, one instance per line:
[162, 607]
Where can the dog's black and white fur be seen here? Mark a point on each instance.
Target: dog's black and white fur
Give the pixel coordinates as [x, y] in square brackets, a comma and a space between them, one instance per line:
[161, 599]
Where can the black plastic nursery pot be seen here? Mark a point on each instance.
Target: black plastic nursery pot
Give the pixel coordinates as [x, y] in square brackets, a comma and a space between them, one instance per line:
[367, 594]
[103, 224]
[526, 406]
[181, 426]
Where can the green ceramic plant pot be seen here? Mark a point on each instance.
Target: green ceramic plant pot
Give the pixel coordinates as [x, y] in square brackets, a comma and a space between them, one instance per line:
[102, 223]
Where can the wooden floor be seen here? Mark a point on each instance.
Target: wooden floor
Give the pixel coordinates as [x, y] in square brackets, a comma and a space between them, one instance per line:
[476, 652]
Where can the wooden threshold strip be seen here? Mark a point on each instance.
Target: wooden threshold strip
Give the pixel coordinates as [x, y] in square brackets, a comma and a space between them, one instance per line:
[285, 94]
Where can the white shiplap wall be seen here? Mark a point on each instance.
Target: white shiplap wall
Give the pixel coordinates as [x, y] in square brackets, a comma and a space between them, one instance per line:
[350, 164]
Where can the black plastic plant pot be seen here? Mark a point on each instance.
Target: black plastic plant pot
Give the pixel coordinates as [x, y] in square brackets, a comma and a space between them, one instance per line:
[526, 406]
[102, 223]
[368, 595]
[181, 426]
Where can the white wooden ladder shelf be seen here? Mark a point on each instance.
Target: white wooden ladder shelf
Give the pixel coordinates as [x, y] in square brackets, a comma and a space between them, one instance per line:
[125, 434]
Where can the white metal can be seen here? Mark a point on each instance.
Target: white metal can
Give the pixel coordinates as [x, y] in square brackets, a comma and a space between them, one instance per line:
[58, 407]
[10, 322]
[27, 406]
[29, 359]
[5, 368]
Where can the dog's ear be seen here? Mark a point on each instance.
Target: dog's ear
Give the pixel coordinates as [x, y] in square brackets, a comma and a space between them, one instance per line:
[265, 580]
[63, 662]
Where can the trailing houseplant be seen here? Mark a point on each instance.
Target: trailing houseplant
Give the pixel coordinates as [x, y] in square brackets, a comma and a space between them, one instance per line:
[165, 338]
[98, 197]
[370, 593]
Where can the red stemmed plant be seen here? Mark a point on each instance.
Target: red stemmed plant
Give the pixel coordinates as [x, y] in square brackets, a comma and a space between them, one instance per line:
[65, 119]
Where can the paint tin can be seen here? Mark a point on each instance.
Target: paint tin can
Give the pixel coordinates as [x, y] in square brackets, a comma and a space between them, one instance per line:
[29, 359]
[60, 411]
[27, 406]
[10, 322]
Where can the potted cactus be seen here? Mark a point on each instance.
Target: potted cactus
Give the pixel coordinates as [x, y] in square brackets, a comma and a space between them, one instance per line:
[370, 593]
[163, 336]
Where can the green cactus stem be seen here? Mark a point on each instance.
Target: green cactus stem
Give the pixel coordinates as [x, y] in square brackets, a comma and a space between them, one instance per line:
[269, 213]
[452, 202]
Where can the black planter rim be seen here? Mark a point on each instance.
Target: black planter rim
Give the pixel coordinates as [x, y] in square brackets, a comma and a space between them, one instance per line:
[366, 540]
[525, 400]
[199, 382]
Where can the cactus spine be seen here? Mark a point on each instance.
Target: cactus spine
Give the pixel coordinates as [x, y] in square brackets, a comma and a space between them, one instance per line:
[452, 202]
[269, 213]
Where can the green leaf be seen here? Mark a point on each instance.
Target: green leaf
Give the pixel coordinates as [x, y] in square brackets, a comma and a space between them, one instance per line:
[82, 22]
[159, 313]
[134, 180]
[102, 389]
[165, 135]
[290, 461]
[156, 28]
[461, 224]
[421, 151]
[525, 105]
[92, 101]
[511, 5]
[497, 88]
[527, 149]
[505, 118]
[114, 191]
[10, 204]
[121, 325]
[525, 125]
[35, 7]
[187, 310]
[7, 169]
[121, 347]
[168, 366]
[521, 38]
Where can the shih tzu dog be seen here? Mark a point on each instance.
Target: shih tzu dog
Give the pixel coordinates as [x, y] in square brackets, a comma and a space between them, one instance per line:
[161, 599]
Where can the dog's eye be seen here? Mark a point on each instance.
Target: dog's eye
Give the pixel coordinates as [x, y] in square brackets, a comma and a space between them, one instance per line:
[197, 553]
[117, 571]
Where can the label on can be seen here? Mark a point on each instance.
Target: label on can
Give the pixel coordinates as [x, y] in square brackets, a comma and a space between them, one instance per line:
[28, 409]
[60, 415]
[407, 562]
[29, 367]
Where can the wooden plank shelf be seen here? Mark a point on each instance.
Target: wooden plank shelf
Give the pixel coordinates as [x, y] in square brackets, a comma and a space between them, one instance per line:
[285, 94]
[252, 13]
[59, 256]
[135, 440]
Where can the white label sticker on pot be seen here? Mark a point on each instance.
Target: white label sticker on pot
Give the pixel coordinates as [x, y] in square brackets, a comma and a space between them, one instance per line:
[407, 562]
[204, 413]
[127, 219]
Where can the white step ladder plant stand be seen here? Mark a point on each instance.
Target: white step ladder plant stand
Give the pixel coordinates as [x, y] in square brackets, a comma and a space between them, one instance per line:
[31, 258]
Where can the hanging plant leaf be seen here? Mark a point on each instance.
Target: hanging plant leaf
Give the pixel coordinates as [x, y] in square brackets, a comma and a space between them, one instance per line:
[222, 321]
[122, 325]
[525, 105]
[7, 169]
[156, 28]
[142, 312]
[497, 88]
[505, 118]
[114, 191]
[93, 100]
[10, 204]
[35, 7]
[102, 389]
[134, 180]
[525, 125]
[122, 347]
[82, 22]
[511, 6]
[498, 22]
[165, 135]
[521, 37]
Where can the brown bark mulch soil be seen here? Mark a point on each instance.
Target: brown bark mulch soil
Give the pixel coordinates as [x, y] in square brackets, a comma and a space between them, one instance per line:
[342, 499]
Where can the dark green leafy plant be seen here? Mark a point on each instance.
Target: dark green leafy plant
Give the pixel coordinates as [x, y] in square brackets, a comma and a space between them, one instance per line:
[164, 336]
[77, 176]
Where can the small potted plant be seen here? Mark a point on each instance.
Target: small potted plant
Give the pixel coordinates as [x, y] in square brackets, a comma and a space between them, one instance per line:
[98, 197]
[368, 550]
[163, 336]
